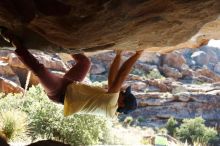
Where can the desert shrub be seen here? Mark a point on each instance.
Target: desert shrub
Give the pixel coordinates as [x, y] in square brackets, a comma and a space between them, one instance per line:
[171, 126]
[197, 82]
[154, 74]
[9, 101]
[146, 141]
[162, 131]
[46, 120]
[141, 119]
[76, 130]
[195, 131]
[127, 121]
[13, 124]
[138, 72]
[101, 84]
[215, 141]
[160, 140]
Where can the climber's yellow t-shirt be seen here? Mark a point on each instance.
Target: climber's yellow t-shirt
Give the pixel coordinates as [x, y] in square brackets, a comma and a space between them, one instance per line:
[82, 98]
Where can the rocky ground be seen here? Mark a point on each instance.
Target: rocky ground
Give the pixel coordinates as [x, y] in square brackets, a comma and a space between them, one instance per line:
[182, 84]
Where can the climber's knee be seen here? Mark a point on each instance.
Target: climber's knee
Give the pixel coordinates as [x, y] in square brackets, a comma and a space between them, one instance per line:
[82, 60]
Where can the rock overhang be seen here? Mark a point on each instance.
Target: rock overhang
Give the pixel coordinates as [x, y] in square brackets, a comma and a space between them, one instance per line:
[154, 25]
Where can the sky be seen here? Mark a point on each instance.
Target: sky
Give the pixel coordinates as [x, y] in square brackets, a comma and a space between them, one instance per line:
[214, 43]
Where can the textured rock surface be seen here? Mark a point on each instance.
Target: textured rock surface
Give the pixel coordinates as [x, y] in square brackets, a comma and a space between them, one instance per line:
[8, 86]
[200, 57]
[7, 72]
[217, 68]
[113, 24]
[171, 72]
[174, 59]
[208, 73]
[13, 72]
[188, 105]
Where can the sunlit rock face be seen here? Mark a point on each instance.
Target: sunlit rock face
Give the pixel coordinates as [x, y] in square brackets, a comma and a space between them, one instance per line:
[111, 24]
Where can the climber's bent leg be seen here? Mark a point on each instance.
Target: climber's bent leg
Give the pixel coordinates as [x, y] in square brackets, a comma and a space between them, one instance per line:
[54, 86]
[80, 69]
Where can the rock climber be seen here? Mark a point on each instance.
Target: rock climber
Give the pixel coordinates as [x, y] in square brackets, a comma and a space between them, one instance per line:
[69, 89]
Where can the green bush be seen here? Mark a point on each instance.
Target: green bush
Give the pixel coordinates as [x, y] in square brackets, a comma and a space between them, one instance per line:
[138, 72]
[171, 126]
[13, 124]
[195, 131]
[215, 141]
[46, 120]
[127, 121]
[162, 131]
[154, 74]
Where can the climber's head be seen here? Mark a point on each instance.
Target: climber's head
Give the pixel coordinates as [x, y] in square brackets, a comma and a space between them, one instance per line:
[127, 101]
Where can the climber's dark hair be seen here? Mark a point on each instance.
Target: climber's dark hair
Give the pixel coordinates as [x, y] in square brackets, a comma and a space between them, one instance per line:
[129, 101]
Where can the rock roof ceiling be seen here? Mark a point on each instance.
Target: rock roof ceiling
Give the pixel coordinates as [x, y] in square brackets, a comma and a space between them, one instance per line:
[154, 25]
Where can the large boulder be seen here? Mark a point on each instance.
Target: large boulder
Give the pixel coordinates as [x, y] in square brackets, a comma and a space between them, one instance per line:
[13, 69]
[208, 73]
[163, 86]
[200, 57]
[136, 85]
[212, 52]
[171, 72]
[144, 67]
[174, 59]
[8, 86]
[207, 56]
[151, 58]
[50, 61]
[97, 69]
[112, 24]
[14, 61]
[217, 68]
[188, 104]
[7, 72]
